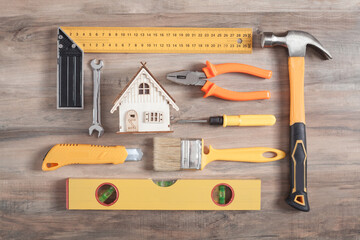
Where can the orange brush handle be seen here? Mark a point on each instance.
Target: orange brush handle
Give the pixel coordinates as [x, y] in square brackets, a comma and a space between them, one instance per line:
[212, 70]
[211, 89]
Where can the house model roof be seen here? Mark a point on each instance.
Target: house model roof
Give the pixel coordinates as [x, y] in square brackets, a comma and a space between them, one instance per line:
[130, 84]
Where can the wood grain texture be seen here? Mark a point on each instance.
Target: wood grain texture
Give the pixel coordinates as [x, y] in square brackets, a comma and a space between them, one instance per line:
[32, 202]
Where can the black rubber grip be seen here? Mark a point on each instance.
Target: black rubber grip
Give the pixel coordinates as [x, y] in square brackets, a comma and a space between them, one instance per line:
[298, 168]
[219, 120]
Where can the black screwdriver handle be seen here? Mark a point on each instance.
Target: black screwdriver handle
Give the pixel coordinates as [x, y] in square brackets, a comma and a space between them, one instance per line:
[298, 168]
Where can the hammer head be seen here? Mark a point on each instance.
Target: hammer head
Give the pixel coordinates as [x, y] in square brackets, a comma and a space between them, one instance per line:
[295, 41]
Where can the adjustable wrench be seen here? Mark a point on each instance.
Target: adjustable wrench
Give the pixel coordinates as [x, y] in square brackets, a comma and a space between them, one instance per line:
[96, 124]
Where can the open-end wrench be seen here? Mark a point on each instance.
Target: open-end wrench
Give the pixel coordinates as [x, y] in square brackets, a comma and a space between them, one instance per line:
[96, 124]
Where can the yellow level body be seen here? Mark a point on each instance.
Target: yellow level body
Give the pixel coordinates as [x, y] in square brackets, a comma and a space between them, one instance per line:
[161, 39]
[144, 194]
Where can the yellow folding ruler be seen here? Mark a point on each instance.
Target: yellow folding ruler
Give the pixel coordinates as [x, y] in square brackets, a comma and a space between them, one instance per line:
[73, 42]
[146, 194]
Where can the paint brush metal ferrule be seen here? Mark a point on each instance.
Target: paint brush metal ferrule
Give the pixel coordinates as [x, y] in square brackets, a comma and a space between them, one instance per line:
[191, 153]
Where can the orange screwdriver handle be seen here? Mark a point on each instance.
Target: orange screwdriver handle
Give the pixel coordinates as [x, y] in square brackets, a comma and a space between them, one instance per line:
[212, 70]
[211, 89]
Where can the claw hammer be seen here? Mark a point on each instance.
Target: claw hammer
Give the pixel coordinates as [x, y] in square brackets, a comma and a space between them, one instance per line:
[296, 42]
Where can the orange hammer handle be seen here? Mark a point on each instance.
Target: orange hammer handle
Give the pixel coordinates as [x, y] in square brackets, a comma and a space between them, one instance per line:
[296, 75]
[212, 70]
[298, 163]
[211, 89]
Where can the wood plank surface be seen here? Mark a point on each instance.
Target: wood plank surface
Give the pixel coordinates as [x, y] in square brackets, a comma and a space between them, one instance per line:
[32, 202]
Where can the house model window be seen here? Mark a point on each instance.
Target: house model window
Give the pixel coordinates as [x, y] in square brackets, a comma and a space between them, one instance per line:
[153, 117]
[144, 88]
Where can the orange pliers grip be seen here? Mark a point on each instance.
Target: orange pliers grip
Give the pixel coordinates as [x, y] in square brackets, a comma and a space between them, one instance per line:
[212, 70]
[211, 89]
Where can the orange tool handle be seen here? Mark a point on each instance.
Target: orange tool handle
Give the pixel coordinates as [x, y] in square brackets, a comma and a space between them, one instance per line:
[212, 70]
[211, 89]
[298, 197]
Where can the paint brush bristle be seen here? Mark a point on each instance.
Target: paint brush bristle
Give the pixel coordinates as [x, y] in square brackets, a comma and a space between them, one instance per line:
[167, 154]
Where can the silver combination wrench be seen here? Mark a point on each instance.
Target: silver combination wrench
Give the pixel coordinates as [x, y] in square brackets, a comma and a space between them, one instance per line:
[96, 124]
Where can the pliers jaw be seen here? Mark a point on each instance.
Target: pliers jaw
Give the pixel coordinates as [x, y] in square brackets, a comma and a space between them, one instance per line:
[187, 78]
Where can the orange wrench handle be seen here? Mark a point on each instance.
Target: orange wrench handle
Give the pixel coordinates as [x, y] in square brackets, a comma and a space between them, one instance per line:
[212, 70]
[211, 89]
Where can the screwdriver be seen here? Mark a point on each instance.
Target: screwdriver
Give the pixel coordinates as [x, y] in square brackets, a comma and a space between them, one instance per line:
[239, 120]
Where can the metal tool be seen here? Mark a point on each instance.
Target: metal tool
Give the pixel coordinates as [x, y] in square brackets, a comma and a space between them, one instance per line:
[73, 42]
[296, 42]
[65, 154]
[161, 39]
[96, 124]
[239, 120]
[210, 89]
[69, 73]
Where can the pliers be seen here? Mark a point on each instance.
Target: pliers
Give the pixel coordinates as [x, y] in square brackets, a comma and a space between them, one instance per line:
[210, 89]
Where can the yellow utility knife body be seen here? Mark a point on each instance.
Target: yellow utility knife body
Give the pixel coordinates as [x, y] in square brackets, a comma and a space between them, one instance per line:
[66, 154]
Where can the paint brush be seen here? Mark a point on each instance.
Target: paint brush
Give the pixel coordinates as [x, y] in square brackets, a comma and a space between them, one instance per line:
[174, 154]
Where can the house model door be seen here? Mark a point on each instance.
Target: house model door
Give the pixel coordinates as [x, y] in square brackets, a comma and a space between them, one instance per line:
[131, 119]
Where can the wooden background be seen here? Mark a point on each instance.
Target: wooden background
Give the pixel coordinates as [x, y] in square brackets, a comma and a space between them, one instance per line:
[32, 202]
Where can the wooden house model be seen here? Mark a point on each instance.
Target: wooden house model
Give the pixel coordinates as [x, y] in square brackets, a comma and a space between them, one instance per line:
[144, 105]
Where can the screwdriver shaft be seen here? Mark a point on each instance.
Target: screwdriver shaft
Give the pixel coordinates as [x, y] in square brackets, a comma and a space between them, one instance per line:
[192, 121]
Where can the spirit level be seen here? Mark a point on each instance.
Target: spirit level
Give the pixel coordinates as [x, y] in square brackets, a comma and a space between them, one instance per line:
[146, 194]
